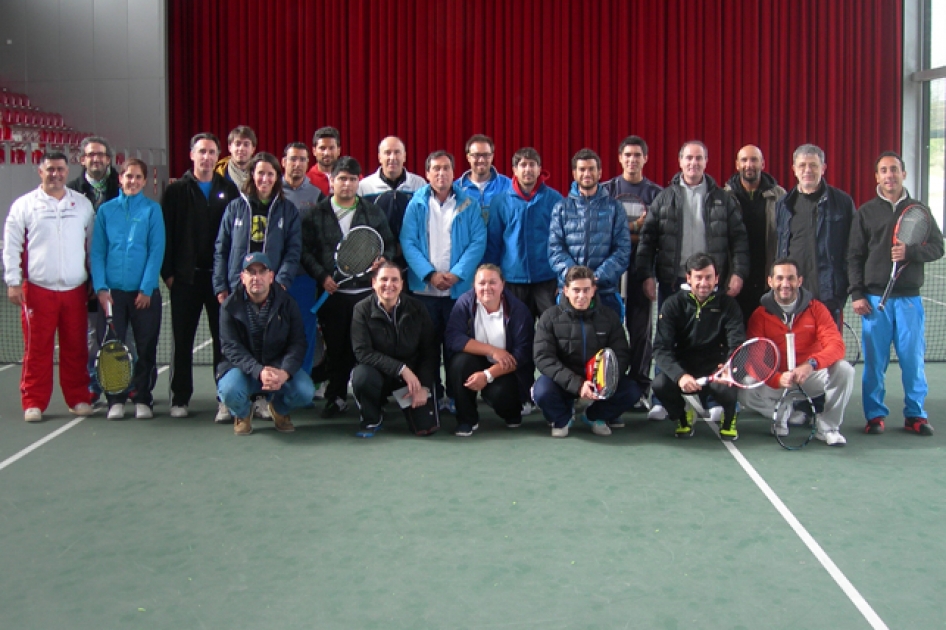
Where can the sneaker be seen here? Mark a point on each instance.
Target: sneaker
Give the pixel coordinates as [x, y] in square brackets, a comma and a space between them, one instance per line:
[598, 427]
[779, 428]
[282, 423]
[223, 416]
[143, 411]
[368, 430]
[527, 408]
[334, 408]
[261, 409]
[727, 430]
[82, 409]
[875, 426]
[178, 411]
[116, 411]
[831, 437]
[320, 391]
[465, 430]
[685, 426]
[243, 426]
[560, 432]
[918, 425]
[447, 404]
[657, 412]
[716, 414]
[617, 423]
[513, 423]
[33, 414]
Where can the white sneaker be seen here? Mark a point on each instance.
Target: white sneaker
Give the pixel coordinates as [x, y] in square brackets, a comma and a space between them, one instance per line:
[261, 409]
[600, 427]
[798, 418]
[527, 408]
[82, 409]
[560, 432]
[33, 414]
[179, 411]
[716, 414]
[779, 428]
[320, 391]
[831, 438]
[116, 411]
[223, 414]
[657, 412]
[143, 411]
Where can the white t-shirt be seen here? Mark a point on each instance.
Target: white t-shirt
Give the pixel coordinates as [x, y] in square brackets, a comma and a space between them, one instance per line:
[489, 328]
[439, 223]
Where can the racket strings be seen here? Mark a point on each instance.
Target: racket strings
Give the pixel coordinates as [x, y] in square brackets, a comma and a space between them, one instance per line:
[914, 227]
[114, 368]
[755, 362]
[358, 251]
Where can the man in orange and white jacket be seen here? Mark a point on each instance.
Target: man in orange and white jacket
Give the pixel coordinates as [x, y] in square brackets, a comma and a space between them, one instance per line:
[819, 352]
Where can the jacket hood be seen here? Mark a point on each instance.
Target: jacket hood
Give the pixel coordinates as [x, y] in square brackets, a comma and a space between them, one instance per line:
[544, 175]
[768, 182]
[574, 191]
[771, 306]
[677, 180]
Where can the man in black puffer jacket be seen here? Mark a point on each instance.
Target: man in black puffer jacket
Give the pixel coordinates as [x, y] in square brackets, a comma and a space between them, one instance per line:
[566, 337]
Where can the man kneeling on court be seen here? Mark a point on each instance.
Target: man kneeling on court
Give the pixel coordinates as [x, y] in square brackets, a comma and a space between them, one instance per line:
[696, 331]
[566, 337]
[263, 342]
[819, 351]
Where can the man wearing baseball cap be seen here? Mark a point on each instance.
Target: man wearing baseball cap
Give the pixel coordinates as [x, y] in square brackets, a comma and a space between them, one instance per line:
[263, 342]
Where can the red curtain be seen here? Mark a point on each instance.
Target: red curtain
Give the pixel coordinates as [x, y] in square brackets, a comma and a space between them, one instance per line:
[557, 75]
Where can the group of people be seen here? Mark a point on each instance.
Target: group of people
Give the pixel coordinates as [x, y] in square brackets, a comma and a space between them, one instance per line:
[494, 278]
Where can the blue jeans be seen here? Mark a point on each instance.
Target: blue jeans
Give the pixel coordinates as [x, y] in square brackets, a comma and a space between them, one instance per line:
[557, 404]
[235, 389]
[903, 324]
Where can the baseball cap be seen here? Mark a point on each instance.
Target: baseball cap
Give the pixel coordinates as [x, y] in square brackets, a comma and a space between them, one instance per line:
[257, 258]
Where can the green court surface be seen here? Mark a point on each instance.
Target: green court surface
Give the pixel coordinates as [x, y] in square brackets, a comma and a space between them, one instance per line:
[179, 524]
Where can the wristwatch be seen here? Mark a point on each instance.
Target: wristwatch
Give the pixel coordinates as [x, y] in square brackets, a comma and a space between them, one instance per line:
[813, 363]
[489, 377]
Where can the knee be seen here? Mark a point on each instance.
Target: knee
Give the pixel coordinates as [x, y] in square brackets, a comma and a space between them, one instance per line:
[232, 386]
[545, 390]
[365, 378]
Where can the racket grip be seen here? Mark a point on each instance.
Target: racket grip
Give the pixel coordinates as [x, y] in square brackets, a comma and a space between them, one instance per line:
[790, 358]
[703, 380]
[320, 302]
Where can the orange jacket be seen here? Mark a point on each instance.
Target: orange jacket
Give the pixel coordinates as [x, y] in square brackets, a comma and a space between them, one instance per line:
[816, 335]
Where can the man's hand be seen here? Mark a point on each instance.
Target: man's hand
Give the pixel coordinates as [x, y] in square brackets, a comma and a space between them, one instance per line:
[797, 376]
[142, 301]
[476, 382]
[588, 391]
[451, 278]
[377, 263]
[688, 384]
[15, 295]
[438, 281]
[735, 286]
[650, 289]
[504, 360]
[223, 295]
[169, 282]
[898, 253]
[105, 300]
[861, 306]
[329, 285]
[411, 380]
[273, 378]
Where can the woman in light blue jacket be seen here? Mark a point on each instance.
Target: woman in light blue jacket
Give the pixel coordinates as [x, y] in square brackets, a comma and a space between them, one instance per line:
[127, 252]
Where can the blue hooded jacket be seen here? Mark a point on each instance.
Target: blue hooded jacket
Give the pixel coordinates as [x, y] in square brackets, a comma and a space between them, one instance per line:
[496, 185]
[128, 245]
[518, 235]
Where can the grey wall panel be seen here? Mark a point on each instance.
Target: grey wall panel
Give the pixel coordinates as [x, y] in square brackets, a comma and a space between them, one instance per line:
[13, 55]
[146, 36]
[146, 112]
[42, 34]
[76, 36]
[111, 110]
[111, 41]
[77, 99]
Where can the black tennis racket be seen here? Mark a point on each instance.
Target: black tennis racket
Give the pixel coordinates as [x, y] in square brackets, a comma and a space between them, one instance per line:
[354, 257]
[749, 366]
[113, 363]
[913, 228]
[852, 344]
[795, 418]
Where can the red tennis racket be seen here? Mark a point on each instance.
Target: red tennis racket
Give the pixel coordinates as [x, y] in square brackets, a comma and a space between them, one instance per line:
[749, 366]
[604, 372]
[913, 228]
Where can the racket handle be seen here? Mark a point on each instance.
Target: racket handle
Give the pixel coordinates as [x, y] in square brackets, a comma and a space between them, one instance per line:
[790, 358]
[703, 380]
[108, 310]
[320, 302]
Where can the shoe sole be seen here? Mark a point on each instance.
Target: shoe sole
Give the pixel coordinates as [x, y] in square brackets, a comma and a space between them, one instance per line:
[285, 429]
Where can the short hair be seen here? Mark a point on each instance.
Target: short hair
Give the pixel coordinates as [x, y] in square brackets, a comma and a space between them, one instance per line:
[348, 164]
[54, 155]
[206, 135]
[490, 267]
[249, 186]
[892, 154]
[784, 260]
[579, 272]
[808, 149]
[436, 155]
[387, 264]
[326, 132]
[295, 145]
[134, 162]
[585, 154]
[97, 140]
[633, 141]
[242, 131]
[696, 142]
[526, 153]
[478, 137]
[700, 261]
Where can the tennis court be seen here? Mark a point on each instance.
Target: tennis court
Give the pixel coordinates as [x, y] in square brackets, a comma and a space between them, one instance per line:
[179, 524]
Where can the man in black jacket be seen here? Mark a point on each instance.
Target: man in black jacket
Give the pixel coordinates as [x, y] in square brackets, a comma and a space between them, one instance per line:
[322, 230]
[566, 337]
[193, 207]
[263, 342]
[697, 330]
[98, 180]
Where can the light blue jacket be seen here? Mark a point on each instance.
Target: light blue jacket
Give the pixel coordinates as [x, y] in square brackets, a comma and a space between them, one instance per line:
[128, 245]
[496, 185]
[590, 231]
[467, 241]
[518, 240]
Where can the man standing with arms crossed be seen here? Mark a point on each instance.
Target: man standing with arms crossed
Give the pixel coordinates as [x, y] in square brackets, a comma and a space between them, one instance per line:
[902, 322]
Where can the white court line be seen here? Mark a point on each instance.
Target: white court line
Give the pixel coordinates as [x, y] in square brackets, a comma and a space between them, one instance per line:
[852, 593]
[933, 301]
[7, 366]
[35, 445]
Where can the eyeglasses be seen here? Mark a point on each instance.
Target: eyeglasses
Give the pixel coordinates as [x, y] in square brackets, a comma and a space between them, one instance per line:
[481, 156]
[96, 154]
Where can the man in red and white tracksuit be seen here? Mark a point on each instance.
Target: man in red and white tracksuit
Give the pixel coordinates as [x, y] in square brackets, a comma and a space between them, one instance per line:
[45, 254]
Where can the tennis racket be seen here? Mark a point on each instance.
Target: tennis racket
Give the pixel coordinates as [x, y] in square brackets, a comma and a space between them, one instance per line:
[354, 257]
[604, 372]
[749, 366]
[113, 363]
[852, 344]
[913, 228]
[795, 417]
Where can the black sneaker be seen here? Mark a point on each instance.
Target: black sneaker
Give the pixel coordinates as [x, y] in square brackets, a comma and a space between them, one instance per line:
[919, 426]
[334, 408]
[367, 429]
[466, 430]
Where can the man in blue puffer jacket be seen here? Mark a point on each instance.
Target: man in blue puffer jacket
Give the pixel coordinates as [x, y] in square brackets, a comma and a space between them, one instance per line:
[589, 228]
[518, 233]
